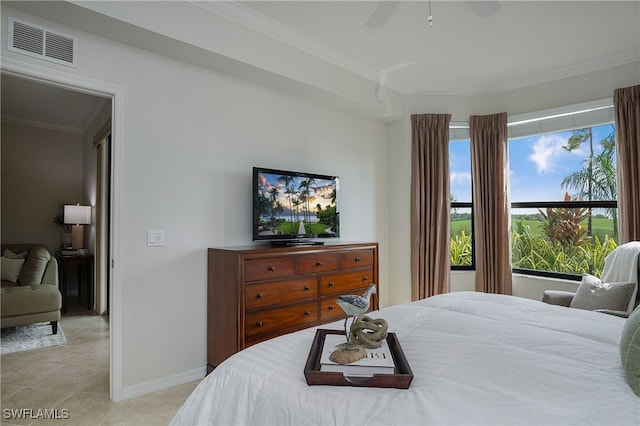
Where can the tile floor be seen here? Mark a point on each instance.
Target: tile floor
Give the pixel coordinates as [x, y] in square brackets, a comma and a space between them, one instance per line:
[75, 377]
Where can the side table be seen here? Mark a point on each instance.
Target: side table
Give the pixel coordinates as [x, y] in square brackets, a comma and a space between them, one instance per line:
[84, 267]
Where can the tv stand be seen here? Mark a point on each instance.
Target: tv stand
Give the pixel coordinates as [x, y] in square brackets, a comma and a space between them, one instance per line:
[293, 243]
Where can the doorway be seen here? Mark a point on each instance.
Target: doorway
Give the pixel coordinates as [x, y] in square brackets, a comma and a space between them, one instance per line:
[107, 238]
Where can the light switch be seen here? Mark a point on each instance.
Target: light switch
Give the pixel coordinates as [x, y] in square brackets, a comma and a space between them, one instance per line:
[155, 238]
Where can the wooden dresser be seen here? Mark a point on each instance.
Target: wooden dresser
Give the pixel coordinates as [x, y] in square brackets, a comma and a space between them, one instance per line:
[256, 293]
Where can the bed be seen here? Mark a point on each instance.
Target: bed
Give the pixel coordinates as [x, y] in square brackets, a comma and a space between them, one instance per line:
[476, 358]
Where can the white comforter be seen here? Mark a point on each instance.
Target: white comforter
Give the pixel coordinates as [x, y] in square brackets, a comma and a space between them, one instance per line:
[476, 359]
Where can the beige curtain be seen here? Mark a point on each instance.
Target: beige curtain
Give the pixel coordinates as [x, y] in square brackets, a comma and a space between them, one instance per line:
[491, 214]
[430, 262]
[626, 102]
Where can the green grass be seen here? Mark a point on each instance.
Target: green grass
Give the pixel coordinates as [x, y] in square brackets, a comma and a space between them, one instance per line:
[601, 226]
[458, 226]
[532, 250]
[310, 228]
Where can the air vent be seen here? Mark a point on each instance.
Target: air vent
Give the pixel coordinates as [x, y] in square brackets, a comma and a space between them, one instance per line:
[33, 40]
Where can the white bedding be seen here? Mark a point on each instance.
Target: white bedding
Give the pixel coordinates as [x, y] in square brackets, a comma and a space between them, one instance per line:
[476, 358]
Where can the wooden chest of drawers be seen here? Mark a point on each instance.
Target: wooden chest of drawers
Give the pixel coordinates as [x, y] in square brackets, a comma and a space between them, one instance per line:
[257, 293]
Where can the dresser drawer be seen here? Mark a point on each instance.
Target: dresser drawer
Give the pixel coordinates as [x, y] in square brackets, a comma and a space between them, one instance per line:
[322, 262]
[356, 259]
[272, 320]
[263, 295]
[343, 282]
[329, 309]
[267, 269]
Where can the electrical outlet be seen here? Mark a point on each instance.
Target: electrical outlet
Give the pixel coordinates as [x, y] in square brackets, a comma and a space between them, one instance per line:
[155, 238]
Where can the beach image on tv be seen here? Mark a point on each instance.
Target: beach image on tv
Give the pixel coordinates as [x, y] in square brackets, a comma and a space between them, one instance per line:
[296, 205]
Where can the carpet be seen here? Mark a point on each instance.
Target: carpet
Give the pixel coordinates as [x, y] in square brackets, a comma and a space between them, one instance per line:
[28, 337]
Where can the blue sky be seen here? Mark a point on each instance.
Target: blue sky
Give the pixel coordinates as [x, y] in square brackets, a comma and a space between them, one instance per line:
[537, 165]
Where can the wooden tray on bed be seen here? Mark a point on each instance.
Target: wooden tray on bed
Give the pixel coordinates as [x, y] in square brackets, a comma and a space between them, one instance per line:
[400, 380]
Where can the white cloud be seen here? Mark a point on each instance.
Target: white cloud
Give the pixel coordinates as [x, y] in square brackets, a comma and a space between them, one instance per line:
[546, 150]
[459, 178]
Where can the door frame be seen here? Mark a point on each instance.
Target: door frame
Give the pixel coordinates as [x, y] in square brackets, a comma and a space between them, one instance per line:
[116, 92]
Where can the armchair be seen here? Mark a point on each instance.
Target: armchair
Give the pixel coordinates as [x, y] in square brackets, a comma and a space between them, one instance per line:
[31, 295]
[622, 265]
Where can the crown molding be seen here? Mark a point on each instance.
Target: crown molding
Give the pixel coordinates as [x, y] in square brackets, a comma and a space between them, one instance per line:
[560, 73]
[42, 125]
[574, 70]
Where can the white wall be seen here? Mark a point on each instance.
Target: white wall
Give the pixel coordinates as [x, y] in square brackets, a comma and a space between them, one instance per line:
[41, 169]
[191, 136]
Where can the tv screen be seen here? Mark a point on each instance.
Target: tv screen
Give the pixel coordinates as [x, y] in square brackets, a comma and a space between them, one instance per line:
[291, 205]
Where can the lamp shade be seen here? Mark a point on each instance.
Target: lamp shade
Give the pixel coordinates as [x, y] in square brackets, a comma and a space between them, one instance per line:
[77, 215]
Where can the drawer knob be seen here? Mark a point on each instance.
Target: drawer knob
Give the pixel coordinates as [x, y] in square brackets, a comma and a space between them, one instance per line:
[357, 259]
[319, 263]
[259, 295]
[332, 284]
[259, 324]
[272, 268]
[331, 307]
[365, 278]
[307, 313]
[307, 288]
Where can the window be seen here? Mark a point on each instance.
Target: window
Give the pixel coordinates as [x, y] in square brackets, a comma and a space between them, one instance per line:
[461, 243]
[563, 201]
[562, 189]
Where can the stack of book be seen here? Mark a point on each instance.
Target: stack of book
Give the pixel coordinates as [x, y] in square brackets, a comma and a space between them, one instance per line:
[378, 361]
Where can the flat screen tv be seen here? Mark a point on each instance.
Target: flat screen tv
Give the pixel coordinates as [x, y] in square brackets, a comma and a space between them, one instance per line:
[294, 207]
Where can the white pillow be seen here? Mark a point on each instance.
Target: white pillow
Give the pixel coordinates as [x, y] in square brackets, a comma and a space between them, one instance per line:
[593, 294]
[595, 281]
[11, 269]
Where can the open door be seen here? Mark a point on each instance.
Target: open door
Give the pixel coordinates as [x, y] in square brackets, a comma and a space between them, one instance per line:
[102, 144]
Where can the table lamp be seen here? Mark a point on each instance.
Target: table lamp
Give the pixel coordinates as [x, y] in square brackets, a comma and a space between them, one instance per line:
[77, 216]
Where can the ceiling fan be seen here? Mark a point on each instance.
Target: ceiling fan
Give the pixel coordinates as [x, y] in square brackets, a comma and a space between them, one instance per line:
[385, 8]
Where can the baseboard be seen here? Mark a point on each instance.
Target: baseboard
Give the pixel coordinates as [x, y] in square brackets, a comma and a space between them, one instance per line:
[160, 384]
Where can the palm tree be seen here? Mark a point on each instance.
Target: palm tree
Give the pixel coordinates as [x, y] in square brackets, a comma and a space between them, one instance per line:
[583, 177]
[290, 191]
[305, 195]
[296, 204]
[273, 198]
[597, 179]
[310, 183]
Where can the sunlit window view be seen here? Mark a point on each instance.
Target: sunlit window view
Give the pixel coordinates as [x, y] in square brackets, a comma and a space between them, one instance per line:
[572, 177]
[563, 201]
[461, 244]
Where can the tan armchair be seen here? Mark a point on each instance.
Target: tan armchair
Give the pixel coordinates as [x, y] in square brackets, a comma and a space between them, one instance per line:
[34, 296]
[621, 266]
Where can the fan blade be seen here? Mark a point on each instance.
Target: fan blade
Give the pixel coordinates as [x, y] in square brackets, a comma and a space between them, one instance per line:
[381, 13]
[484, 8]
